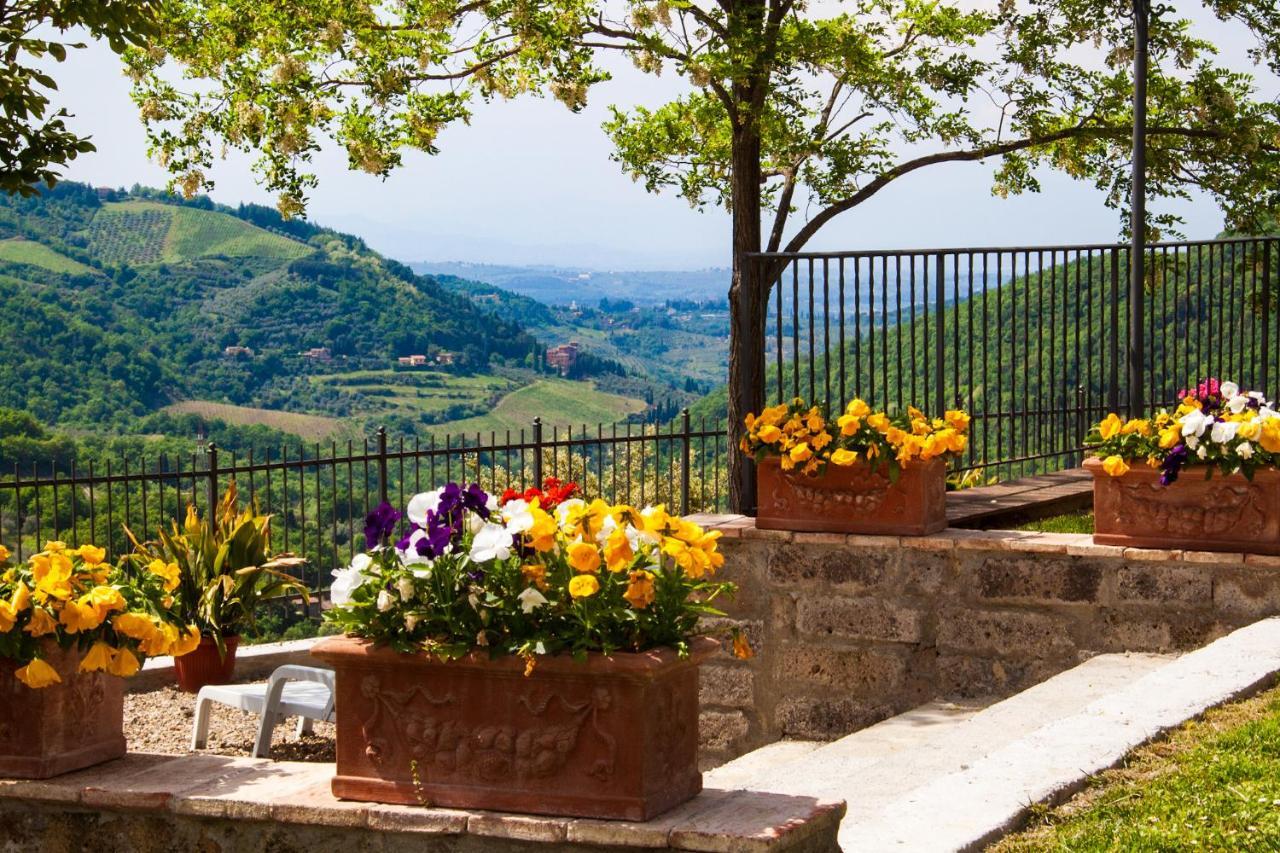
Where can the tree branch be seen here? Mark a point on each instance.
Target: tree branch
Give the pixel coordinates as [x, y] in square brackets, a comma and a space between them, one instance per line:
[881, 181]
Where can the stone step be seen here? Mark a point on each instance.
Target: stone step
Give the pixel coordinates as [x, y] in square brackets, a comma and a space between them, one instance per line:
[962, 782]
[896, 755]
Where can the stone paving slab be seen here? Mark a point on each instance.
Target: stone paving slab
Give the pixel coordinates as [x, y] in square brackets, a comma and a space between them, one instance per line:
[221, 788]
[970, 808]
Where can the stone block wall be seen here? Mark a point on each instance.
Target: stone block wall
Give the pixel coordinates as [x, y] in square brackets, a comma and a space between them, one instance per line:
[850, 630]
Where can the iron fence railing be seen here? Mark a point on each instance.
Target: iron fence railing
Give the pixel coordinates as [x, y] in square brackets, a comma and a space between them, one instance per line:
[1032, 341]
[318, 496]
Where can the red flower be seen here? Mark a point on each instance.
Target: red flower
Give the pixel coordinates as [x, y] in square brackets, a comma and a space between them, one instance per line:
[552, 493]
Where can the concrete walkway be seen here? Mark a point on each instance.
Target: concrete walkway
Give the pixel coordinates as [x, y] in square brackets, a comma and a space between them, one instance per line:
[943, 778]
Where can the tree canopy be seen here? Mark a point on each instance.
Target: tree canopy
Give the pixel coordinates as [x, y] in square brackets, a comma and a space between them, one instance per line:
[34, 142]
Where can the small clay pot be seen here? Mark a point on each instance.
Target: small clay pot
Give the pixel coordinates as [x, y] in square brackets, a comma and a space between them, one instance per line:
[204, 665]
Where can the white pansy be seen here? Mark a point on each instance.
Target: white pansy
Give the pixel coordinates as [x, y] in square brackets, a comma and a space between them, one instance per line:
[1237, 404]
[424, 573]
[1202, 451]
[1245, 450]
[385, 601]
[491, 542]
[517, 516]
[492, 503]
[1195, 422]
[1228, 390]
[1193, 442]
[411, 621]
[1223, 431]
[421, 504]
[475, 522]
[345, 581]
[405, 587]
[531, 599]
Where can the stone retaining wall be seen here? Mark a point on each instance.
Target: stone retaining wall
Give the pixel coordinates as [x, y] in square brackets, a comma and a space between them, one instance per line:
[850, 630]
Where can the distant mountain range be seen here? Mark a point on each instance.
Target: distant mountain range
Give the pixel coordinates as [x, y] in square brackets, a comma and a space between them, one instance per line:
[562, 286]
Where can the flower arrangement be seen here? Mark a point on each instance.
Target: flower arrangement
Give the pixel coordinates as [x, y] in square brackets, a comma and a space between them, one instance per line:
[71, 596]
[519, 576]
[1215, 424]
[804, 438]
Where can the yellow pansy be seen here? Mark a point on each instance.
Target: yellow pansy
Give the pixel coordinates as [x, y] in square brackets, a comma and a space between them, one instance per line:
[541, 536]
[535, 573]
[879, 422]
[8, 617]
[1115, 466]
[617, 551]
[842, 456]
[80, 615]
[124, 664]
[1139, 426]
[849, 424]
[584, 586]
[640, 592]
[161, 640]
[4, 554]
[52, 574]
[800, 452]
[769, 434]
[98, 658]
[56, 546]
[91, 554]
[137, 626]
[106, 599]
[956, 419]
[38, 674]
[1249, 429]
[1270, 435]
[584, 557]
[168, 571]
[820, 440]
[1110, 426]
[858, 408]
[21, 598]
[40, 623]
[1170, 435]
[187, 642]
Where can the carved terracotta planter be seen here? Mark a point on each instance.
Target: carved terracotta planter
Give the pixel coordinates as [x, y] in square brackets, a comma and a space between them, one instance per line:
[63, 727]
[1224, 513]
[204, 665]
[609, 737]
[853, 499]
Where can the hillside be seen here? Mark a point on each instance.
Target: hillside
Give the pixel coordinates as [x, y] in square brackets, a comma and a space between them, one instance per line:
[115, 304]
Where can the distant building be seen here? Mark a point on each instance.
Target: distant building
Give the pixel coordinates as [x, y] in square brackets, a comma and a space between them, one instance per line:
[317, 354]
[447, 358]
[563, 357]
[487, 298]
[237, 352]
[412, 360]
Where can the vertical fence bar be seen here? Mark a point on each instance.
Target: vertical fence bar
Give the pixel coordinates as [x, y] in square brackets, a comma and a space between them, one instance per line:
[383, 491]
[211, 458]
[939, 336]
[537, 453]
[686, 451]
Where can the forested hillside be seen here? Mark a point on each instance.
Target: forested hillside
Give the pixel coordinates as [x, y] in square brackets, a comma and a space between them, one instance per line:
[113, 304]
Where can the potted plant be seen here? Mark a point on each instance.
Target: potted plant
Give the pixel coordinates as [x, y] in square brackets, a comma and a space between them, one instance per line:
[865, 472]
[504, 656]
[225, 571]
[72, 626]
[1202, 477]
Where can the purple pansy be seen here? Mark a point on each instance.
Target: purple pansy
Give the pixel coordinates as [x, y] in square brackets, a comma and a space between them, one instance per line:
[379, 525]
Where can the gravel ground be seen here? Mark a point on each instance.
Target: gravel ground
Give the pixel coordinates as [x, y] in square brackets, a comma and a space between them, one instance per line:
[161, 720]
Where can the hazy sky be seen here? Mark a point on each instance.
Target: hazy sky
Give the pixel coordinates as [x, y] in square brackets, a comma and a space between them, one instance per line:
[530, 182]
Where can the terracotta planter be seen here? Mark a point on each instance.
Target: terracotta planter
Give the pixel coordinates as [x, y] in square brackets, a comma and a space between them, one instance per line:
[204, 666]
[609, 737]
[853, 499]
[1224, 513]
[63, 727]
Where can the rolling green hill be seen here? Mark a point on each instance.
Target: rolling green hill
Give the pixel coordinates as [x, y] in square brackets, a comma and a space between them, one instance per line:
[117, 304]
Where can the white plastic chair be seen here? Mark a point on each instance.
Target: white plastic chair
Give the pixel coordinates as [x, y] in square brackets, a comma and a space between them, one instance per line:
[292, 691]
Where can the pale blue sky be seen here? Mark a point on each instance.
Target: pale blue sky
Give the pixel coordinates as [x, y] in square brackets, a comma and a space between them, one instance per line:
[530, 182]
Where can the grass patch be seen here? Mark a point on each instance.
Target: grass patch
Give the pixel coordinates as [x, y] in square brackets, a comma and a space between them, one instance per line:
[557, 401]
[148, 232]
[1070, 522]
[1213, 784]
[309, 427]
[31, 253]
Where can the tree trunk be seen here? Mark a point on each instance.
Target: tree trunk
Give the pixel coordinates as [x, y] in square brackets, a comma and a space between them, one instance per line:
[748, 300]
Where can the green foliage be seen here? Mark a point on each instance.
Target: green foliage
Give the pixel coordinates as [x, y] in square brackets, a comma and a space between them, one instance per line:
[822, 105]
[31, 253]
[225, 564]
[35, 141]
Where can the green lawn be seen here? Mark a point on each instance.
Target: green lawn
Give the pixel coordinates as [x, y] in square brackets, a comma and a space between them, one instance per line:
[1214, 784]
[558, 402]
[1071, 522]
[20, 251]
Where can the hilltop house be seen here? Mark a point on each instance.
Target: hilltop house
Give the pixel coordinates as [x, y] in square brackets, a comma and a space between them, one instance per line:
[412, 361]
[317, 354]
[563, 357]
[237, 352]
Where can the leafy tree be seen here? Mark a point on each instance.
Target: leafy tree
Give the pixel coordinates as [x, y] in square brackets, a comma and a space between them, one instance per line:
[787, 109]
[33, 141]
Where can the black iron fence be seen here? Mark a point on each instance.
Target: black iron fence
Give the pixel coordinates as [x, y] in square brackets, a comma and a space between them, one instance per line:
[1032, 341]
[318, 496]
